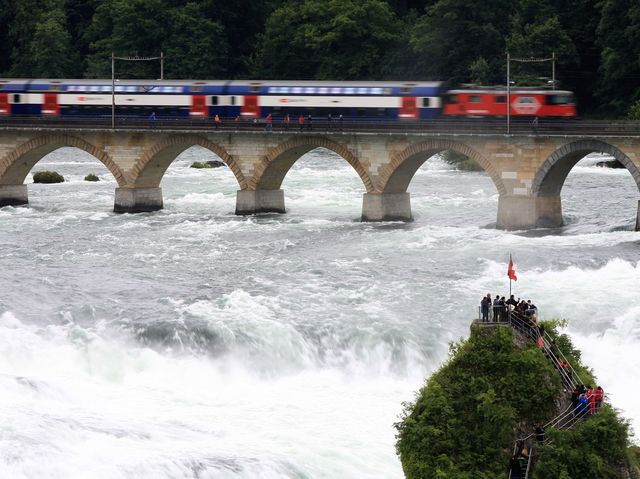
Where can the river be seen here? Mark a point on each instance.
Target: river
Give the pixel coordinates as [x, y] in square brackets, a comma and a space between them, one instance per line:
[191, 343]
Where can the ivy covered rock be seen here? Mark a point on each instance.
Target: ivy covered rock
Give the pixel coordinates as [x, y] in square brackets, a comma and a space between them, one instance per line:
[48, 177]
[494, 388]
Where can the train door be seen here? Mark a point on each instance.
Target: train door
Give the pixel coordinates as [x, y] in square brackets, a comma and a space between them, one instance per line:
[50, 104]
[198, 105]
[250, 106]
[5, 108]
[408, 108]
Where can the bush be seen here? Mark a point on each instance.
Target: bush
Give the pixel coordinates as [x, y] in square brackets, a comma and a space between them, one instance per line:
[493, 389]
[633, 113]
[208, 164]
[48, 177]
[464, 422]
[460, 161]
[91, 177]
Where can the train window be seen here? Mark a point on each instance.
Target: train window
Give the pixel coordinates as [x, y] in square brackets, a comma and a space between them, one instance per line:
[452, 98]
[16, 98]
[255, 88]
[196, 88]
[426, 102]
[214, 100]
[233, 100]
[475, 99]
[559, 100]
[405, 89]
[501, 99]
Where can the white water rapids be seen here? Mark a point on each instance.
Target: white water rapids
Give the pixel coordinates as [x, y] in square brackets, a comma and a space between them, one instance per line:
[191, 343]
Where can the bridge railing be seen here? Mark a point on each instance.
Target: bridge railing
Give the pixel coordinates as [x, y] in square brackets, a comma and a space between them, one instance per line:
[468, 126]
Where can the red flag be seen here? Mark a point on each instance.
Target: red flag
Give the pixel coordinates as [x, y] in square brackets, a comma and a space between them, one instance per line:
[511, 272]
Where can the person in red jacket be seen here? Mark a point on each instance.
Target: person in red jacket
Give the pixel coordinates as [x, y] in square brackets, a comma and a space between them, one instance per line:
[301, 122]
[591, 396]
[598, 397]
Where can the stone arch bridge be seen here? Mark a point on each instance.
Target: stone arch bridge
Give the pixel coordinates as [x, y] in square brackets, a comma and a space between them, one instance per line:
[528, 171]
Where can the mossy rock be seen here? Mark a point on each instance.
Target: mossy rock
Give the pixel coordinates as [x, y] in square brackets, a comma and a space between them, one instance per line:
[493, 389]
[207, 164]
[48, 177]
[91, 177]
[460, 161]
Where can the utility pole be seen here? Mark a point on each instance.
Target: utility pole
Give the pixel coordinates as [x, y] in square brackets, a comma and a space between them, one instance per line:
[113, 78]
[508, 94]
[552, 59]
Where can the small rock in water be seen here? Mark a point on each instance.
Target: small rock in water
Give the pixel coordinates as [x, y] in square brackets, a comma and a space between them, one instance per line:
[610, 164]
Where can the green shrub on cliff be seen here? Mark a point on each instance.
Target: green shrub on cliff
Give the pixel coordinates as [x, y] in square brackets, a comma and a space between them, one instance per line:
[493, 389]
[463, 423]
[48, 177]
[91, 177]
[595, 448]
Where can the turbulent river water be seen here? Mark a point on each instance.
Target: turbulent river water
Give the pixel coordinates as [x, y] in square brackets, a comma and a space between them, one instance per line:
[191, 343]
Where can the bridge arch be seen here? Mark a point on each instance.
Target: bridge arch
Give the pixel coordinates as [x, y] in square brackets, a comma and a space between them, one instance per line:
[270, 172]
[16, 165]
[152, 165]
[552, 174]
[397, 175]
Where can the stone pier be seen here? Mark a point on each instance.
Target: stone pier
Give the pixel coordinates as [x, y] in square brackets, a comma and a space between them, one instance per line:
[386, 207]
[249, 202]
[13, 195]
[137, 200]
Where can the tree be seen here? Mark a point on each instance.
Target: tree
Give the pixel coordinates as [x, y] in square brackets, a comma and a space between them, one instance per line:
[40, 42]
[50, 51]
[127, 27]
[619, 37]
[455, 33]
[540, 39]
[197, 46]
[334, 39]
[480, 72]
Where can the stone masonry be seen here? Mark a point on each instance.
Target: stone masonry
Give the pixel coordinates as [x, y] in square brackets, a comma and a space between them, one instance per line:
[528, 171]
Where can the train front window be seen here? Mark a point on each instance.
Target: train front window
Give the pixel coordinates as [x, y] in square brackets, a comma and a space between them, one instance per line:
[475, 99]
[560, 100]
[501, 99]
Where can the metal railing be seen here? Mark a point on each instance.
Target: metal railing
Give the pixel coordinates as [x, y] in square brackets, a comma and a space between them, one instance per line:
[570, 378]
[444, 126]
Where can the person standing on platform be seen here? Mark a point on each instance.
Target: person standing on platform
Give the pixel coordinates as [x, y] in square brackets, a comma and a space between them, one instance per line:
[301, 122]
[286, 121]
[309, 122]
[484, 307]
[268, 122]
[217, 122]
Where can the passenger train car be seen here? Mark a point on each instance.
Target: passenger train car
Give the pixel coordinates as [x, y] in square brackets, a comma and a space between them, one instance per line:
[255, 99]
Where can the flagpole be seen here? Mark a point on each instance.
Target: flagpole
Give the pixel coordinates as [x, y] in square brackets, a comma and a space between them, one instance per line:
[510, 280]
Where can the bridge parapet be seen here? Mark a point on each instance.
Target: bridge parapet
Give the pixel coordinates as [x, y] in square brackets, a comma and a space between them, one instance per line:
[528, 171]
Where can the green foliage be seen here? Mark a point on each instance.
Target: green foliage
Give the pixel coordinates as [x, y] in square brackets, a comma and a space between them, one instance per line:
[633, 113]
[91, 177]
[199, 165]
[595, 448]
[460, 161]
[48, 177]
[464, 421]
[597, 42]
[480, 72]
[328, 39]
[493, 389]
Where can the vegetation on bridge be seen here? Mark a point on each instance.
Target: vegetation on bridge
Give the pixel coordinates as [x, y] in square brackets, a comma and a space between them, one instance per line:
[493, 389]
[597, 41]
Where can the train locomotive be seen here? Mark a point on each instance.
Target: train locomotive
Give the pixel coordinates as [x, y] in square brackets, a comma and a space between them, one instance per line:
[354, 100]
